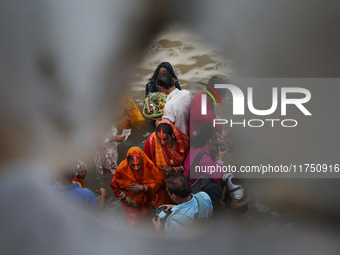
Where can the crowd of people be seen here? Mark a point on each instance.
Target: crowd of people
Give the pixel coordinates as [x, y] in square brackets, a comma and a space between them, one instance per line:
[161, 176]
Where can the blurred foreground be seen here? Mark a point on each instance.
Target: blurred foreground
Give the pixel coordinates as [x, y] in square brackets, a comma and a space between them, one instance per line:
[64, 66]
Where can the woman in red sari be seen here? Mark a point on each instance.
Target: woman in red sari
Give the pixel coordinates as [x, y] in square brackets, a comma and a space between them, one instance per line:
[168, 148]
[135, 183]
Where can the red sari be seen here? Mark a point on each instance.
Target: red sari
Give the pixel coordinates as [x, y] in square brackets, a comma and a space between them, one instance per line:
[124, 176]
[163, 155]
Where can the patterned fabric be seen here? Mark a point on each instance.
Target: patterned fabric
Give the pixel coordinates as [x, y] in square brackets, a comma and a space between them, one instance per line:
[106, 158]
[157, 151]
[164, 156]
[167, 156]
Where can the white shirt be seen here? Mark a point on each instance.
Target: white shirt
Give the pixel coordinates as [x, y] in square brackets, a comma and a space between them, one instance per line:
[177, 109]
[238, 194]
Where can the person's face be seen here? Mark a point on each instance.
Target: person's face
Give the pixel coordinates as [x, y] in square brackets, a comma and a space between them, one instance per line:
[135, 162]
[162, 70]
[163, 138]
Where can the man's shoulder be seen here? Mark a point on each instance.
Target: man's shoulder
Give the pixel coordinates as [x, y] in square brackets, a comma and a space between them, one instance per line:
[184, 92]
[204, 195]
[179, 93]
[181, 217]
[85, 192]
[183, 97]
[186, 214]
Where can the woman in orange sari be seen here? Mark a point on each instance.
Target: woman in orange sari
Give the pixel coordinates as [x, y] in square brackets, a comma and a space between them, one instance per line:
[135, 183]
[168, 148]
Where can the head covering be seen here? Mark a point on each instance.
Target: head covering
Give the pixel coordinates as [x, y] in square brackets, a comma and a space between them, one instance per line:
[165, 155]
[124, 176]
[151, 86]
[168, 67]
[181, 138]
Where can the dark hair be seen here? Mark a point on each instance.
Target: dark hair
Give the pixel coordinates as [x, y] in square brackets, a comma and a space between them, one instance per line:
[218, 80]
[167, 129]
[165, 80]
[201, 135]
[168, 67]
[151, 85]
[179, 185]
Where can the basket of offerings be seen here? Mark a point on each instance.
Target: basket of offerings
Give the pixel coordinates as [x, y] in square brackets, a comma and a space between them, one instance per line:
[153, 105]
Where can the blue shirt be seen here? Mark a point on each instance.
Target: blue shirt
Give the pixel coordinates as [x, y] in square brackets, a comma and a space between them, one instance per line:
[189, 208]
[77, 194]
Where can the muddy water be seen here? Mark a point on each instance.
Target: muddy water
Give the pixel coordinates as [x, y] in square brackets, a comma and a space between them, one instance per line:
[191, 56]
[193, 59]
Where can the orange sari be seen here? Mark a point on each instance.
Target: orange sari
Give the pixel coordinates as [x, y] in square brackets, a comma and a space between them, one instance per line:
[164, 156]
[124, 176]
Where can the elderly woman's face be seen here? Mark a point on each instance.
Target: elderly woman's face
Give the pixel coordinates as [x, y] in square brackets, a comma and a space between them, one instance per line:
[135, 162]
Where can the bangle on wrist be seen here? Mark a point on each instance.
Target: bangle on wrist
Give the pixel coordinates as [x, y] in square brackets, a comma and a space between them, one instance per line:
[121, 194]
[179, 169]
